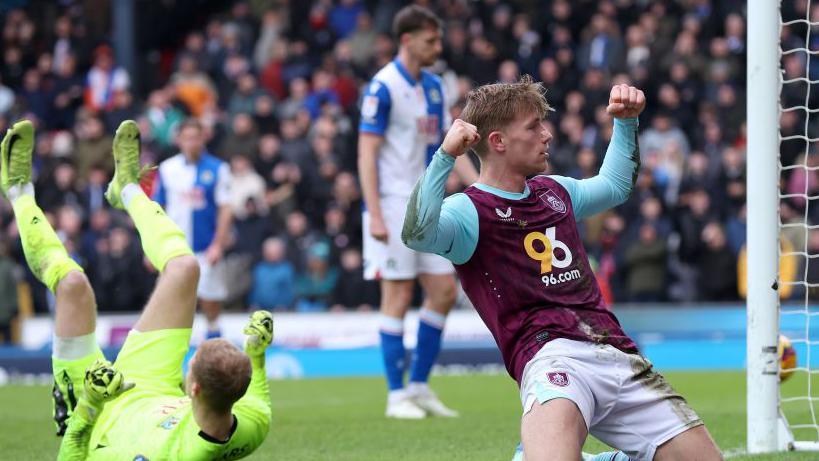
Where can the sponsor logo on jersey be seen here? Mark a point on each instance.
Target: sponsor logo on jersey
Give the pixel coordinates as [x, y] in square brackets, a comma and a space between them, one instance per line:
[369, 107]
[169, 423]
[541, 247]
[429, 128]
[434, 96]
[207, 177]
[505, 216]
[558, 378]
[554, 202]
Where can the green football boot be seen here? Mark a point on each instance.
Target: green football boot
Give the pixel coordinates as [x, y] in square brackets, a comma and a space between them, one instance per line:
[126, 162]
[15, 155]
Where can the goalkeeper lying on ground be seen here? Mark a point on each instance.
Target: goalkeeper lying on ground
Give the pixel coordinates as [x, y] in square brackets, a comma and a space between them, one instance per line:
[136, 409]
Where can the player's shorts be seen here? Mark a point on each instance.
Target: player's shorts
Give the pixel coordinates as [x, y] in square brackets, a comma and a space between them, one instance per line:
[152, 360]
[212, 279]
[69, 376]
[394, 260]
[624, 402]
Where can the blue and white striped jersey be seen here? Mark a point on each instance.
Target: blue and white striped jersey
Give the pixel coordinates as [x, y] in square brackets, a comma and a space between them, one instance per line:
[192, 193]
[412, 116]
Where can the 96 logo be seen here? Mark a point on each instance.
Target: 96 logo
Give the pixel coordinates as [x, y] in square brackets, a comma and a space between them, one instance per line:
[541, 247]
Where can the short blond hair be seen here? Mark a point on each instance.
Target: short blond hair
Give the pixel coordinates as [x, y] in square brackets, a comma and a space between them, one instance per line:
[223, 373]
[493, 107]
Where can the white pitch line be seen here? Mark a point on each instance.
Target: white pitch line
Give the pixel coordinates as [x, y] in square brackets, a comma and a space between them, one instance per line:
[734, 453]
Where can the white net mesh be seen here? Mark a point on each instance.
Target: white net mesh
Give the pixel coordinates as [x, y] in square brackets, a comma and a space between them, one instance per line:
[799, 211]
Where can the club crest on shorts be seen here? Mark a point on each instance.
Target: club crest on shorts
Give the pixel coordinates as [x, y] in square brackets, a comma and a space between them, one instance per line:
[558, 378]
[554, 202]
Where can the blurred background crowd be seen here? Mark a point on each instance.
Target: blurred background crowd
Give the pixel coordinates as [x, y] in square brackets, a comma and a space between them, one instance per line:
[277, 84]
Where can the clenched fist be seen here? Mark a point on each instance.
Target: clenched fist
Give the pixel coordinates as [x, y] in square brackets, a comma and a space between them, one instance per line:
[460, 137]
[626, 102]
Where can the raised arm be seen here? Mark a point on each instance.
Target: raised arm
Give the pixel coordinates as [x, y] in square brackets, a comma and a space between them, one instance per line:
[254, 409]
[448, 228]
[618, 174]
[259, 333]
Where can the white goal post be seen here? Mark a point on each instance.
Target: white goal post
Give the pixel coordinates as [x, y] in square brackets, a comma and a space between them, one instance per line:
[763, 224]
[767, 428]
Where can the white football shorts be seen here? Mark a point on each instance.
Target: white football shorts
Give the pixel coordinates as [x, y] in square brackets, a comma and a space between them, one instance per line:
[625, 403]
[212, 279]
[393, 260]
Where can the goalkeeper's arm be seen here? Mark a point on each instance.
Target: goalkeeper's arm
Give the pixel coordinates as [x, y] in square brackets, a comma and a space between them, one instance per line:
[259, 333]
[78, 433]
[253, 410]
[102, 383]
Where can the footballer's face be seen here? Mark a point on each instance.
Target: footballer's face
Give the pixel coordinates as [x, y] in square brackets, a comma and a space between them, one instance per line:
[191, 141]
[526, 141]
[424, 45]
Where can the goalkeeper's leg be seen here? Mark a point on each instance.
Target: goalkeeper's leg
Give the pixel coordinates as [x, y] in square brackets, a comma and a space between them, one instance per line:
[173, 302]
[75, 345]
[49, 261]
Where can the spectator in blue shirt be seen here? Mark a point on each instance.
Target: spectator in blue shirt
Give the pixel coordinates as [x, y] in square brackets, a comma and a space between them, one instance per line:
[273, 278]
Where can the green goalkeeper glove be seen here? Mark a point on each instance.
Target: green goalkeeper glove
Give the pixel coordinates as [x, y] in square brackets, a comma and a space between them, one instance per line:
[259, 333]
[104, 383]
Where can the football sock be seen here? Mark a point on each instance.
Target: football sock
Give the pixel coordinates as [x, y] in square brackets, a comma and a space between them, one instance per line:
[606, 456]
[162, 239]
[430, 329]
[518, 456]
[393, 351]
[18, 190]
[416, 388]
[45, 253]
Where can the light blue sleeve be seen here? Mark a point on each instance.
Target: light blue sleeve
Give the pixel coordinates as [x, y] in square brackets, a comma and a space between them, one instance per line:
[613, 185]
[433, 225]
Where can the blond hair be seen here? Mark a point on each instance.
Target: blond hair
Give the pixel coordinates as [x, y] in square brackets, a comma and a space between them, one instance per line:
[223, 373]
[493, 107]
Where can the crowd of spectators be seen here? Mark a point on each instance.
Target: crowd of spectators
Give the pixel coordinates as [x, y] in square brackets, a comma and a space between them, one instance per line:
[276, 84]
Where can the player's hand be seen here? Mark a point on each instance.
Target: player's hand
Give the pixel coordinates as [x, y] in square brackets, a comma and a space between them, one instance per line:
[460, 137]
[378, 229]
[626, 102]
[104, 383]
[259, 331]
[213, 253]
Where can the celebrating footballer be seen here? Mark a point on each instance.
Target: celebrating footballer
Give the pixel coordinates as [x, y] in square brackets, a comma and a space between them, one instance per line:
[514, 241]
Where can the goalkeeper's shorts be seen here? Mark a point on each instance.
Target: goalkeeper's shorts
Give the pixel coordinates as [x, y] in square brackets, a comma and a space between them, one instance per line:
[152, 360]
[68, 385]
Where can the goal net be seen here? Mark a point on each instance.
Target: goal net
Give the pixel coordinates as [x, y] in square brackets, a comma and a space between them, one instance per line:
[783, 223]
[799, 216]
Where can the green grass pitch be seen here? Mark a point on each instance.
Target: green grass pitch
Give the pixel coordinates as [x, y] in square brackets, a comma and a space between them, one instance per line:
[342, 419]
